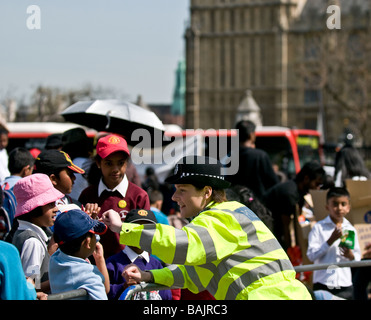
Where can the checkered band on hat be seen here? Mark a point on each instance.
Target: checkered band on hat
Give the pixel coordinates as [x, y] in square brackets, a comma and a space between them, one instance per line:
[187, 174]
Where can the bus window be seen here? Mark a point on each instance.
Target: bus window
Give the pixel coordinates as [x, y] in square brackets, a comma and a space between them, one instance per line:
[308, 148]
[279, 151]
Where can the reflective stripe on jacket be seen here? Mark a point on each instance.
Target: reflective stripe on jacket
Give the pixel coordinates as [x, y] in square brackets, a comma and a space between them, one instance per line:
[226, 250]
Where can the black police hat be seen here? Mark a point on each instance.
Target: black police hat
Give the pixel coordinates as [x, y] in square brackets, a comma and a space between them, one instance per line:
[199, 170]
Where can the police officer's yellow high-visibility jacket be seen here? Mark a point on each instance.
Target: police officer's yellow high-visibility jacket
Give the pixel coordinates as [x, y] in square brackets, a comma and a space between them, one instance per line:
[226, 250]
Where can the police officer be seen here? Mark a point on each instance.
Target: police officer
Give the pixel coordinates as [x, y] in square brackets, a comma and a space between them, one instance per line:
[226, 249]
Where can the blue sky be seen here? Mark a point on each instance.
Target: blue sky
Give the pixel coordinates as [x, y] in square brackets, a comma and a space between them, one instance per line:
[132, 46]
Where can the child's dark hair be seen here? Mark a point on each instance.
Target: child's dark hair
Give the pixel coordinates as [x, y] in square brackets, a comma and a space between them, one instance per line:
[155, 195]
[73, 246]
[19, 158]
[35, 213]
[55, 171]
[337, 192]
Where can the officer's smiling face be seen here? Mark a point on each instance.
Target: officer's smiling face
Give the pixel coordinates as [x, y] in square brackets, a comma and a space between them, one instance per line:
[190, 200]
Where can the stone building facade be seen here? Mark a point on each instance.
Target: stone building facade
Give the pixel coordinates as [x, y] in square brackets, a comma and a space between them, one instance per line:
[260, 45]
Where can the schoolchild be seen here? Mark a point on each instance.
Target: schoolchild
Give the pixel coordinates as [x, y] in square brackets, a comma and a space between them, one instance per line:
[131, 254]
[69, 269]
[21, 163]
[36, 211]
[80, 148]
[324, 246]
[156, 199]
[114, 191]
[61, 171]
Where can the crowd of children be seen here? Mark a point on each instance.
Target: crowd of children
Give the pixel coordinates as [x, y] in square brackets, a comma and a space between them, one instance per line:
[56, 234]
[57, 240]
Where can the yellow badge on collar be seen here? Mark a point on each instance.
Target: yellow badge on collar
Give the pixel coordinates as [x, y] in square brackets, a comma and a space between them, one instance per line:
[122, 204]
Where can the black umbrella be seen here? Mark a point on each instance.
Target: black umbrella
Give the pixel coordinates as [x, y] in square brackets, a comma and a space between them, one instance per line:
[117, 117]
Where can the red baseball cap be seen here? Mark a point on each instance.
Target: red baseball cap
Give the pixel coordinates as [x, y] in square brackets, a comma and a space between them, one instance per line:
[110, 144]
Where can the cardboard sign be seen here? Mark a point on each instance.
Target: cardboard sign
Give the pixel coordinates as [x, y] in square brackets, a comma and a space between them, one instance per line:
[360, 201]
[319, 204]
[364, 235]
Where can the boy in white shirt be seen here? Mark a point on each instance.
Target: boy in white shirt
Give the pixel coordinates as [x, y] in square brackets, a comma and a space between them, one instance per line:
[323, 246]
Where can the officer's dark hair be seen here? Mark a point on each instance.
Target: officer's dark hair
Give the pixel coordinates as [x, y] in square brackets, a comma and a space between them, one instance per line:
[218, 195]
[312, 169]
[18, 159]
[246, 129]
[337, 192]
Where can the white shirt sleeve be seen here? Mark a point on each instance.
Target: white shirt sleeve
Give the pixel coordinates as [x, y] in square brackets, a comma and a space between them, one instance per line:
[316, 246]
[32, 256]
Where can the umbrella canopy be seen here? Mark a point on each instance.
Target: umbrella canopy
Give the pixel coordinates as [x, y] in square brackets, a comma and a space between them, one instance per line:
[114, 116]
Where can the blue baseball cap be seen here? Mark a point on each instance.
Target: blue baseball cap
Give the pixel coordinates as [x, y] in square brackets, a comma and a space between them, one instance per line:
[74, 223]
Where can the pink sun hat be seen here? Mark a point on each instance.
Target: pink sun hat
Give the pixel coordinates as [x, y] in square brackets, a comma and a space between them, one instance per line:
[34, 191]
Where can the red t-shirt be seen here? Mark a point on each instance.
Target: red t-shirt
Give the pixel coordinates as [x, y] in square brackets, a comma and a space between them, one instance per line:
[135, 198]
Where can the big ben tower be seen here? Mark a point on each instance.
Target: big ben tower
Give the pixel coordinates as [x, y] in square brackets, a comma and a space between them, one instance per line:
[233, 46]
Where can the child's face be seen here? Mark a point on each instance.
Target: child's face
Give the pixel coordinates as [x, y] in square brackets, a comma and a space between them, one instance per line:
[65, 181]
[113, 168]
[48, 217]
[338, 207]
[4, 140]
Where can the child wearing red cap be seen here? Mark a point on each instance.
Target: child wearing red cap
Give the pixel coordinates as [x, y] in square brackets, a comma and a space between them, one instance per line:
[114, 190]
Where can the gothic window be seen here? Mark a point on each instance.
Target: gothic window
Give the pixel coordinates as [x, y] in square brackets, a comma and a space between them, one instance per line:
[311, 48]
[311, 96]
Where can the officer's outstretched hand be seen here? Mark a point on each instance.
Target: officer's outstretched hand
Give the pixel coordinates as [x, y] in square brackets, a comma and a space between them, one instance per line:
[112, 219]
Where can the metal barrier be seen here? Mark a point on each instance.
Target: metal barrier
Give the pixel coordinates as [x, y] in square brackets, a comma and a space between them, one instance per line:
[350, 264]
[68, 295]
[128, 293]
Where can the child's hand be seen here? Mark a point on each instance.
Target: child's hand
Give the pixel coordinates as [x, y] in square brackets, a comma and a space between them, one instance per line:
[367, 254]
[41, 296]
[100, 262]
[52, 246]
[347, 253]
[92, 209]
[112, 219]
[98, 252]
[334, 236]
[133, 273]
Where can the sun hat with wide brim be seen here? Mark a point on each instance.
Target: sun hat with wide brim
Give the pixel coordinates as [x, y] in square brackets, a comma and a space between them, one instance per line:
[199, 170]
[34, 191]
